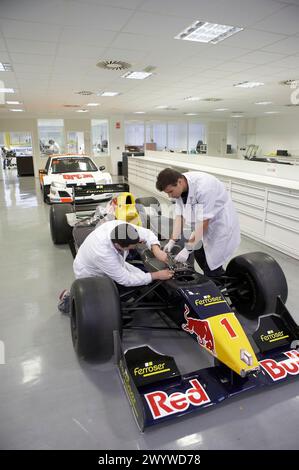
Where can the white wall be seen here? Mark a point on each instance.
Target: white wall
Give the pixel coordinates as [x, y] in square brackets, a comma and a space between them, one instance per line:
[30, 125]
[278, 132]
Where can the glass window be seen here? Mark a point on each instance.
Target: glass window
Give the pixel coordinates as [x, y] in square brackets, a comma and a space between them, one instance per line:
[100, 136]
[71, 165]
[156, 135]
[51, 136]
[134, 135]
[196, 136]
[20, 142]
[177, 136]
[75, 142]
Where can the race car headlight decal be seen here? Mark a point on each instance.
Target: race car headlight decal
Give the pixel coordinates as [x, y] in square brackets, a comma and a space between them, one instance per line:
[58, 185]
[246, 357]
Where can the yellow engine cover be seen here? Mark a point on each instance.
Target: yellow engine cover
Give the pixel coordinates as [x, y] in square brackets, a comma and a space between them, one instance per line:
[126, 209]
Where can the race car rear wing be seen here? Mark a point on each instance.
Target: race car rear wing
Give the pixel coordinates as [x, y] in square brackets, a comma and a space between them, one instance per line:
[113, 188]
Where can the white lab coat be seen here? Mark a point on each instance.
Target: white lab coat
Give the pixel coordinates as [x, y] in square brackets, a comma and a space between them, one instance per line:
[209, 198]
[54, 148]
[97, 255]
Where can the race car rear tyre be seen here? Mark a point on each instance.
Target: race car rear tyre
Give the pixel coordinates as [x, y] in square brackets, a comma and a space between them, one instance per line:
[148, 202]
[61, 231]
[260, 280]
[46, 192]
[95, 314]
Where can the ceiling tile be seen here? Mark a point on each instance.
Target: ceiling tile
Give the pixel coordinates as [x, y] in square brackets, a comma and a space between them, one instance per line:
[30, 47]
[285, 21]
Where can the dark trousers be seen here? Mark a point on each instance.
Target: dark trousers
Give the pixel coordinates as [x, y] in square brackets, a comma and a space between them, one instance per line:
[200, 258]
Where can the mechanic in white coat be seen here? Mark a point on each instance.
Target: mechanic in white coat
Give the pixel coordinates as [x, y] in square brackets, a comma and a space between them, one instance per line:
[203, 202]
[105, 250]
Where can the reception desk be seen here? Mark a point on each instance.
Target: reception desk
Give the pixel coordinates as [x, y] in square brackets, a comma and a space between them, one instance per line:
[25, 165]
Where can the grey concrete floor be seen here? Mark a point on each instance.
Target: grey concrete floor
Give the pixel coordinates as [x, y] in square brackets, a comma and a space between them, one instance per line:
[51, 400]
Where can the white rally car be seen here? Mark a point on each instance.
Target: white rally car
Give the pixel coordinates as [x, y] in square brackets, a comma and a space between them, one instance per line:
[73, 178]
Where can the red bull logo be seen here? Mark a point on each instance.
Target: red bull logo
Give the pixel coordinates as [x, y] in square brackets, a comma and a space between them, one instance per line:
[202, 330]
[161, 404]
[280, 370]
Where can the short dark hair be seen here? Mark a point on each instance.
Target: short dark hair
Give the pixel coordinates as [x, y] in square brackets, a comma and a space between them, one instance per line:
[124, 235]
[166, 177]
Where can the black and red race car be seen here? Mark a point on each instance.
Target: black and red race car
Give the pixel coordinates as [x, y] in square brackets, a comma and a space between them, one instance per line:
[207, 309]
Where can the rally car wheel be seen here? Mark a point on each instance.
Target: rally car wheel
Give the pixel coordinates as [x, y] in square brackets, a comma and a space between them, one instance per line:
[95, 314]
[46, 192]
[258, 281]
[61, 231]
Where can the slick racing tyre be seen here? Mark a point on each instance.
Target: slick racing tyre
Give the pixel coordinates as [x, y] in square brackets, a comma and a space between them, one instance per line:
[61, 231]
[258, 281]
[46, 192]
[154, 209]
[95, 314]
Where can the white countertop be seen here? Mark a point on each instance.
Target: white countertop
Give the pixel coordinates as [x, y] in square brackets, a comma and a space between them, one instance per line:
[256, 178]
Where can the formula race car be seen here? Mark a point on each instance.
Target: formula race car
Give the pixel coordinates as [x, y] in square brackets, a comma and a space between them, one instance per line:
[71, 224]
[73, 178]
[207, 309]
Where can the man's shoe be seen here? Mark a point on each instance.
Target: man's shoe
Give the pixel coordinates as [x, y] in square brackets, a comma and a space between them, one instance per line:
[64, 301]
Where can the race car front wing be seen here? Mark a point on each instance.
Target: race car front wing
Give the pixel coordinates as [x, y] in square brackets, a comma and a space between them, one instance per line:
[158, 392]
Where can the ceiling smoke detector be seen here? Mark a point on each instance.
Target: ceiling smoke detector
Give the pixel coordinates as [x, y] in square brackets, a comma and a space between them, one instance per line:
[113, 65]
[84, 93]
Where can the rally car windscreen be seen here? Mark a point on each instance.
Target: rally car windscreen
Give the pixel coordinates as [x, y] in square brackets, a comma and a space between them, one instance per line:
[72, 165]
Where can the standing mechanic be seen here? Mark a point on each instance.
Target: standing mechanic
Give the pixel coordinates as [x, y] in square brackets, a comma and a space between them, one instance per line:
[203, 200]
[104, 251]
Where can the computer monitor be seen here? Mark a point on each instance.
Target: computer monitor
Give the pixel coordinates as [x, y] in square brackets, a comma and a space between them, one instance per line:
[282, 153]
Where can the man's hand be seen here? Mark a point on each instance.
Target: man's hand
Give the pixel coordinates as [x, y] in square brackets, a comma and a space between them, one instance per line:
[182, 256]
[169, 245]
[163, 275]
[160, 255]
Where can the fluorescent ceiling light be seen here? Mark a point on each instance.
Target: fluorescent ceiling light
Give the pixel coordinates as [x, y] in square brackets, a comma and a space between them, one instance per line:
[221, 109]
[249, 84]
[163, 106]
[191, 114]
[271, 112]
[93, 104]
[82, 111]
[237, 115]
[192, 98]
[7, 90]
[17, 110]
[5, 67]
[202, 31]
[137, 75]
[139, 112]
[13, 102]
[108, 93]
[263, 102]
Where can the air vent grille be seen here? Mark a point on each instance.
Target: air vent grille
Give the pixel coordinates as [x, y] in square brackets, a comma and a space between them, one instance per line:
[113, 65]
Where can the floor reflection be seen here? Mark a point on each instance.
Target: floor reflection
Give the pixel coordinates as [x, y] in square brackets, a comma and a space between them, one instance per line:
[18, 191]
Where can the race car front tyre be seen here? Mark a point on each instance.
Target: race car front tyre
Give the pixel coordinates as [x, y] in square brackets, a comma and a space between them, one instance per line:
[95, 314]
[258, 281]
[46, 192]
[61, 231]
